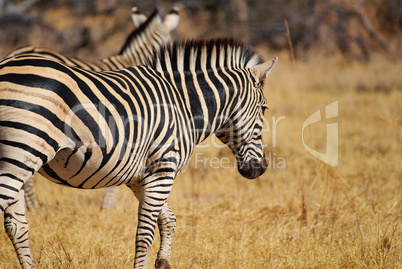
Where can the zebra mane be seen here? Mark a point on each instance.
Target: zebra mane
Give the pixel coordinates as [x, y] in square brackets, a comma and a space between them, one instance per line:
[145, 30]
[195, 54]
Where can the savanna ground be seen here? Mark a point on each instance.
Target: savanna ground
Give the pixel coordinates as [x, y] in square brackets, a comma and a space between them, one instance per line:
[302, 213]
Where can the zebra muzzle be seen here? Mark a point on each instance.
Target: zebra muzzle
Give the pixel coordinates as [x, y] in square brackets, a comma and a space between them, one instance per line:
[253, 168]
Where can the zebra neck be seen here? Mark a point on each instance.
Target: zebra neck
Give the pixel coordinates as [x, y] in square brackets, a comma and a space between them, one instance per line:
[146, 39]
[208, 102]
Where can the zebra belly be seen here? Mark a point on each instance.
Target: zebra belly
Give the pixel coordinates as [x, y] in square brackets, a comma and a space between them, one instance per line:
[80, 168]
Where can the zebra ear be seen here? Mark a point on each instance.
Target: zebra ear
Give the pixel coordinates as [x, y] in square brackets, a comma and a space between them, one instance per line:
[172, 19]
[138, 18]
[261, 71]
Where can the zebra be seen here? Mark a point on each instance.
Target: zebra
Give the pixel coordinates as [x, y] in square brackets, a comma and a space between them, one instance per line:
[150, 35]
[139, 46]
[136, 126]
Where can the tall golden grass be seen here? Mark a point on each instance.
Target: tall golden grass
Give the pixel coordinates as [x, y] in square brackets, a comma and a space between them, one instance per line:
[301, 213]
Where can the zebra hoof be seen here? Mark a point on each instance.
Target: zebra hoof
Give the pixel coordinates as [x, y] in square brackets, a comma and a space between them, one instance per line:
[162, 264]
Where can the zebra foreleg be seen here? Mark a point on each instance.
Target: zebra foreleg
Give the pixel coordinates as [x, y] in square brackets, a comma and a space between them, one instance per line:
[111, 197]
[167, 226]
[16, 226]
[152, 202]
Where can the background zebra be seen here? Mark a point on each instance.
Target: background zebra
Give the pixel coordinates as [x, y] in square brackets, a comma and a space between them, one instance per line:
[139, 46]
[150, 35]
[136, 126]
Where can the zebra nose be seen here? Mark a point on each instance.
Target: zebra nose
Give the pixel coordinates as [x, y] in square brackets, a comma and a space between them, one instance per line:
[253, 168]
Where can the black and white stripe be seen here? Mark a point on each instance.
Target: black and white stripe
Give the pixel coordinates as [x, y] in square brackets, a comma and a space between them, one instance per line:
[136, 126]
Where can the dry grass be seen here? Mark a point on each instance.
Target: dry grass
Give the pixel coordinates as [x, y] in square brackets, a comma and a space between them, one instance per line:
[301, 213]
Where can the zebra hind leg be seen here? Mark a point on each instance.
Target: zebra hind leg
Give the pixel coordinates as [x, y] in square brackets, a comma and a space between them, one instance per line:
[17, 165]
[30, 195]
[16, 227]
[167, 226]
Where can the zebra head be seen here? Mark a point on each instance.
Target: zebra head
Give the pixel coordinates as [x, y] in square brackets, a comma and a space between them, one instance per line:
[170, 22]
[243, 132]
